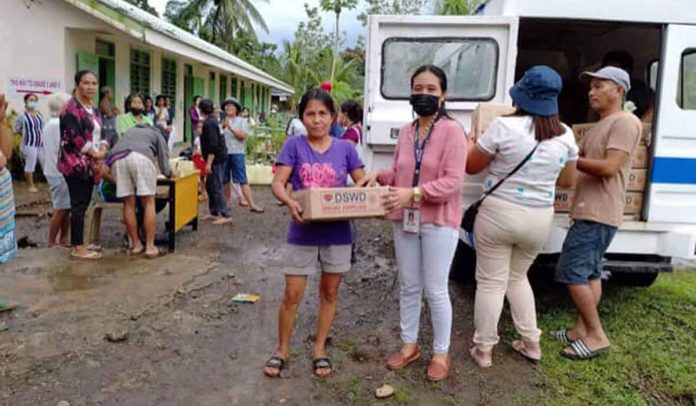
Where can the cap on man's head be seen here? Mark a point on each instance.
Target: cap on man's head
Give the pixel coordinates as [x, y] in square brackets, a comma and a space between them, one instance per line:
[612, 73]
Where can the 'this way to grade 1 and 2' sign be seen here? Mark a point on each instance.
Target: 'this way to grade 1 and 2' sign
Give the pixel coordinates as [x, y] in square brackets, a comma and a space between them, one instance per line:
[19, 87]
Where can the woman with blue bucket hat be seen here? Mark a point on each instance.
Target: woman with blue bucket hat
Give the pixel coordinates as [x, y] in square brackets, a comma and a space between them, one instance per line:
[527, 154]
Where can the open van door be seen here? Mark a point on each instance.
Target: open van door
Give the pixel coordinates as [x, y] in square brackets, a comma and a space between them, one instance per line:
[672, 193]
[477, 53]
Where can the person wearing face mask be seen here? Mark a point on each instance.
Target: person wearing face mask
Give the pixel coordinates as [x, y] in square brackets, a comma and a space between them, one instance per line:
[425, 203]
[30, 126]
[135, 115]
[150, 108]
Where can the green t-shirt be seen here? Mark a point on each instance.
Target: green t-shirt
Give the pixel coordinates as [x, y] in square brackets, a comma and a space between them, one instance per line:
[125, 122]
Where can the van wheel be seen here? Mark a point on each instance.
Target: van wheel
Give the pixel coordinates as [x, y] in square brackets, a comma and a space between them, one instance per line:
[463, 269]
[643, 279]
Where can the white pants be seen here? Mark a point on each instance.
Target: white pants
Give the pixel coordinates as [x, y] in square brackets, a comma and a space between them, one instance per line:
[424, 262]
[508, 238]
[31, 156]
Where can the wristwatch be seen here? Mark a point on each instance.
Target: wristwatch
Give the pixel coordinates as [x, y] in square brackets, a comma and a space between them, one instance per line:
[417, 195]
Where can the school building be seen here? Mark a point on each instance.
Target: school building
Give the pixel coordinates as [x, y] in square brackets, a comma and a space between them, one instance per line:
[46, 41]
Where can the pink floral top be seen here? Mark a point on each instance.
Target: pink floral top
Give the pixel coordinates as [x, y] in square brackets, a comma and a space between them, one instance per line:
[76, 127]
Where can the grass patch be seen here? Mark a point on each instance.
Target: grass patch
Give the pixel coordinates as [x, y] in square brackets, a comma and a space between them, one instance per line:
[653, 361]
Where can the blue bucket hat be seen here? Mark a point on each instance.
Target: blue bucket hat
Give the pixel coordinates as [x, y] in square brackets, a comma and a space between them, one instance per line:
[537, 92]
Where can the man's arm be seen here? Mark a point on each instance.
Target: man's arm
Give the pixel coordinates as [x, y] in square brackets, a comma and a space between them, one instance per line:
[604, 168]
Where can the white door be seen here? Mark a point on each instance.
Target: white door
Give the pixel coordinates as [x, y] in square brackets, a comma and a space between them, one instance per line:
[672, 194]
[477, 53]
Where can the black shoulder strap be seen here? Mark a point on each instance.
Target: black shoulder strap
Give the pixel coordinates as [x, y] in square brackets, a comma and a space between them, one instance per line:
[517, 168]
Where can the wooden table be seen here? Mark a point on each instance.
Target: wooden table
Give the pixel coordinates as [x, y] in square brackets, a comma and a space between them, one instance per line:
[181, 197]
[183, 204]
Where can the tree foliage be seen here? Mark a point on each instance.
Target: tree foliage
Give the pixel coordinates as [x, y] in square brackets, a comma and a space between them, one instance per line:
[217, 21]
[400, 7]
[145, 5]
[455, 7]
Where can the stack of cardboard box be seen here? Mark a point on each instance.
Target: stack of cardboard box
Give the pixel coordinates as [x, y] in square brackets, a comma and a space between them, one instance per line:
[637, 178]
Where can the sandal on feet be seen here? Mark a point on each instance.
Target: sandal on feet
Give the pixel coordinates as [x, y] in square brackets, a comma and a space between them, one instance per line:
[521, 347]
[222, 221]
[258, 210]
[482, 358]
[133, 252]
[399, 360]
[208, 217]
[438, 371]
[8, 304]
[243, 204]
[275, 362]
[561, 336]
[322, 363]
[95, 247]
[160, 252]
[91, 255]
[582, 352]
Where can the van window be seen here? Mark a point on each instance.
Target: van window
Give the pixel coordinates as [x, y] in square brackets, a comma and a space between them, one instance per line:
[470, 64]
[652, 73]
[686, 95]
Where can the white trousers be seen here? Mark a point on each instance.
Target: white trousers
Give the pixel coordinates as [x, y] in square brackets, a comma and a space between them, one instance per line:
[424, 262]
[508, 239]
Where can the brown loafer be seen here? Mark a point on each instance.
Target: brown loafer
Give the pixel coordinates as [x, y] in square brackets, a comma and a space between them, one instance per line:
[438, 371]
[399, 360]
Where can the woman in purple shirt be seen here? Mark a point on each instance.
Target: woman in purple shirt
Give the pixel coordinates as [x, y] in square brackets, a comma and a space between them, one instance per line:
[195, 116]
[314, 161]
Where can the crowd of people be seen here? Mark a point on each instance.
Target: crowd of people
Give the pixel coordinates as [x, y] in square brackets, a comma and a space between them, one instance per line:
[526, 154]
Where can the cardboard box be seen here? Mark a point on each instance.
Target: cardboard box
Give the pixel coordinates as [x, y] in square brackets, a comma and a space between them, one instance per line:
[634, 203]
[637, 180]
[329, 204]
[580, 130]
[484, 114]
[640, 157]
[564, 201]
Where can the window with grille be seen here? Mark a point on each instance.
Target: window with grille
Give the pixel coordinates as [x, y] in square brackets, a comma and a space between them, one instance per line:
[223, 88]
[169, 79]
[234, 87]
[140, 72]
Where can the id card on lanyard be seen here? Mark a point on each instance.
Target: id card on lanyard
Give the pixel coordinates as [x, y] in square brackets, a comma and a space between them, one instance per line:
[411, 222]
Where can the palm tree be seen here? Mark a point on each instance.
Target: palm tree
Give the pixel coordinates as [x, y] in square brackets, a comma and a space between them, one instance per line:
[337, 6]
[218, 21]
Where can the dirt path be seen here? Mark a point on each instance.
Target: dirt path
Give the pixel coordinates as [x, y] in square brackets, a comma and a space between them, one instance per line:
[183, 344]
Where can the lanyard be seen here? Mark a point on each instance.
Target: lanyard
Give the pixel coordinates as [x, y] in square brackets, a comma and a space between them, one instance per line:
[419, 151]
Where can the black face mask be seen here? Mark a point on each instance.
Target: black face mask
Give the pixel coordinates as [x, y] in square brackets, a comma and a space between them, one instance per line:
[137, 112]
[425, 104]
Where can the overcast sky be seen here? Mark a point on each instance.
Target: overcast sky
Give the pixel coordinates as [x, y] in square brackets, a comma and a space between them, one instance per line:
[282, 17]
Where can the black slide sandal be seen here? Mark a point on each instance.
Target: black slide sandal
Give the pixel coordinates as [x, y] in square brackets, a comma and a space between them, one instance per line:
[274, 362]
[322, 363]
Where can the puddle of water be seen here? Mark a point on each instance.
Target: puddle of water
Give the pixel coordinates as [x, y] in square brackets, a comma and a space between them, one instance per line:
[69, 277]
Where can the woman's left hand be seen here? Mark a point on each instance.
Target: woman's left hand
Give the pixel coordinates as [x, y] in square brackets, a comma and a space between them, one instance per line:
[397, 198]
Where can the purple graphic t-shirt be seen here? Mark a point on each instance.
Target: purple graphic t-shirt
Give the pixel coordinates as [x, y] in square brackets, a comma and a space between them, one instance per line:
[311, 169]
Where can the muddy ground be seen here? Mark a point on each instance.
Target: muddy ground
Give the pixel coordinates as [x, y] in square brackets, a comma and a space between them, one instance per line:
[179, 342]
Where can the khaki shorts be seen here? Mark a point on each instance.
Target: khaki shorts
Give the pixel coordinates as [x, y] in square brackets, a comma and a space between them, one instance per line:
[312, 259]
[135, 174]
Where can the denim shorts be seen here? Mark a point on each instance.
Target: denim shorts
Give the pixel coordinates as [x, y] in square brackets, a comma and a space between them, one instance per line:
[235, 169]
[583, 250]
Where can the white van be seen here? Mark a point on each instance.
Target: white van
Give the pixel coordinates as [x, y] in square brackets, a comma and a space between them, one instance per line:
[483, 55]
